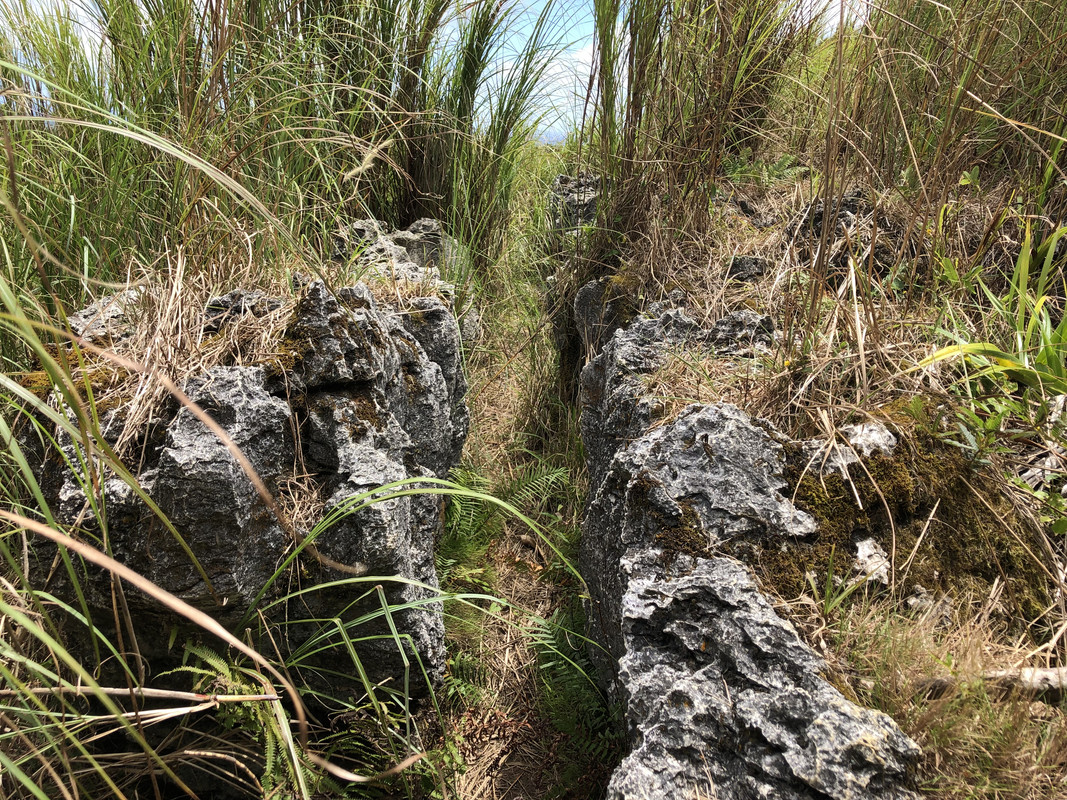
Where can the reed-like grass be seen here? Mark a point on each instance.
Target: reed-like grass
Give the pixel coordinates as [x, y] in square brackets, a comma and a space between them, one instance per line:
[681, 86]
[238, 136]
[934, 90]
[323, 112]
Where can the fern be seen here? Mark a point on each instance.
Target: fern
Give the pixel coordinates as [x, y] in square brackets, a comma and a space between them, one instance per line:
[569, 694]
[534, 484]
[471, 523]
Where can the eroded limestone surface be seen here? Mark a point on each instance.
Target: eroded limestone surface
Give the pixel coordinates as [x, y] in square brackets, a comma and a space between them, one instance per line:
[721, 696]
[365, 395]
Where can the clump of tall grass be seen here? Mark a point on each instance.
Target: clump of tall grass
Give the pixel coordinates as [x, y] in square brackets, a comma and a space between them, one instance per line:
[680, 87]
[934, 90]
[239, 136]
[322, 112]
[680, 90]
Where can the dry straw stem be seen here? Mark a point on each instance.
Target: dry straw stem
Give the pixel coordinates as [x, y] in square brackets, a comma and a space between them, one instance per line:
[158, 694]
[692, 376]
[1048, 684]
[938, 88]
[165, 598]
[978, 741]
[167, 339]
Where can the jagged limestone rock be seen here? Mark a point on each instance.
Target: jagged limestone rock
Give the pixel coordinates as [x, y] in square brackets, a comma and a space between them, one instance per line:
[614, 406]
[206, 495]
[109, 319]
[417, 256]
[747, 268]
[720, 695]
[681, 490]
[573, 201]
[360, 402]
[863, 441]
[741, 333]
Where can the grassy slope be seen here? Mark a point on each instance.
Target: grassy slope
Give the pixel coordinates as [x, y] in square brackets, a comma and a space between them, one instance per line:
[239, 144]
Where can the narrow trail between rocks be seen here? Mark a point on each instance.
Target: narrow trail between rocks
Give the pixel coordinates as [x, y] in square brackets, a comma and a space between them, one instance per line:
[511, 750]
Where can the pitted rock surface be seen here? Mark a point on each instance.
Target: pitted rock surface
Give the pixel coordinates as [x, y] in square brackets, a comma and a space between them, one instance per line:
[415, 256]
[614, 406]
[107, 320]
[720, 695]
[741, 333]
[723, 696]
[747, 268]
[573, 201]
[362, 403]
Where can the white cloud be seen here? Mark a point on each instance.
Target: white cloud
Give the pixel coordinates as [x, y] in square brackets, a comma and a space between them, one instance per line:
[566, 84]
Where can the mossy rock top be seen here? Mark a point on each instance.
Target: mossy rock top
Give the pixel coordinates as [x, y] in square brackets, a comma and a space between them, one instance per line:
[946, 525]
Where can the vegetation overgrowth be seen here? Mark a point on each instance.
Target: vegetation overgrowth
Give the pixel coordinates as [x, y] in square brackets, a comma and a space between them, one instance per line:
[897, 165]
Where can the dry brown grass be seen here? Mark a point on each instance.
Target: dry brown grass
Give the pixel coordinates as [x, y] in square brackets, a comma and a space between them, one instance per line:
[161, 340]
[506, 744]
[849, 340]
[508, 748]
[976, 743]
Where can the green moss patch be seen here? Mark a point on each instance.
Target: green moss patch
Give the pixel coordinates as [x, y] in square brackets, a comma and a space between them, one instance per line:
[677, 534]
[946, 526]
[289, 352]
[684, 536]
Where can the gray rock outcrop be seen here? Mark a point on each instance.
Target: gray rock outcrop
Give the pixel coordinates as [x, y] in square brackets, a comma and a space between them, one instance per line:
[366, 396]
[721, 697]
[415, 259]
[108, 319]
[415, 253]
[573, 201]
[747, 268]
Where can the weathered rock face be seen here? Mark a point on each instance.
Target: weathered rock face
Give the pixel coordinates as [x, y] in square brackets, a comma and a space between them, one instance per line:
[367, 396]
[747, 268]
[573, 201]
[415, 257]
[720, 695]
[874, 239]
[416, 253]
[718, 686]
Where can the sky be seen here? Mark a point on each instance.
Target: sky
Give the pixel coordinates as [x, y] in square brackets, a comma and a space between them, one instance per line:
[566, 81]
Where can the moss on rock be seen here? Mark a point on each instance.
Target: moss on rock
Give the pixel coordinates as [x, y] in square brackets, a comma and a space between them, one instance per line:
[945, 524]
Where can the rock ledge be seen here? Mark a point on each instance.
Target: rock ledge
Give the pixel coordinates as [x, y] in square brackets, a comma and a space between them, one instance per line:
[721, 697]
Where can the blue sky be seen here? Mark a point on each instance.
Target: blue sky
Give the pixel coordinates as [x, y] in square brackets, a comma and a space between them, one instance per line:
[566, 80]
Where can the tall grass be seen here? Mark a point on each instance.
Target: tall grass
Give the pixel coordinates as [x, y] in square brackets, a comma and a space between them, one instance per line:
[231, 714]
[680, 86]
[322, 111]
[931, 90]
[241, 136]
